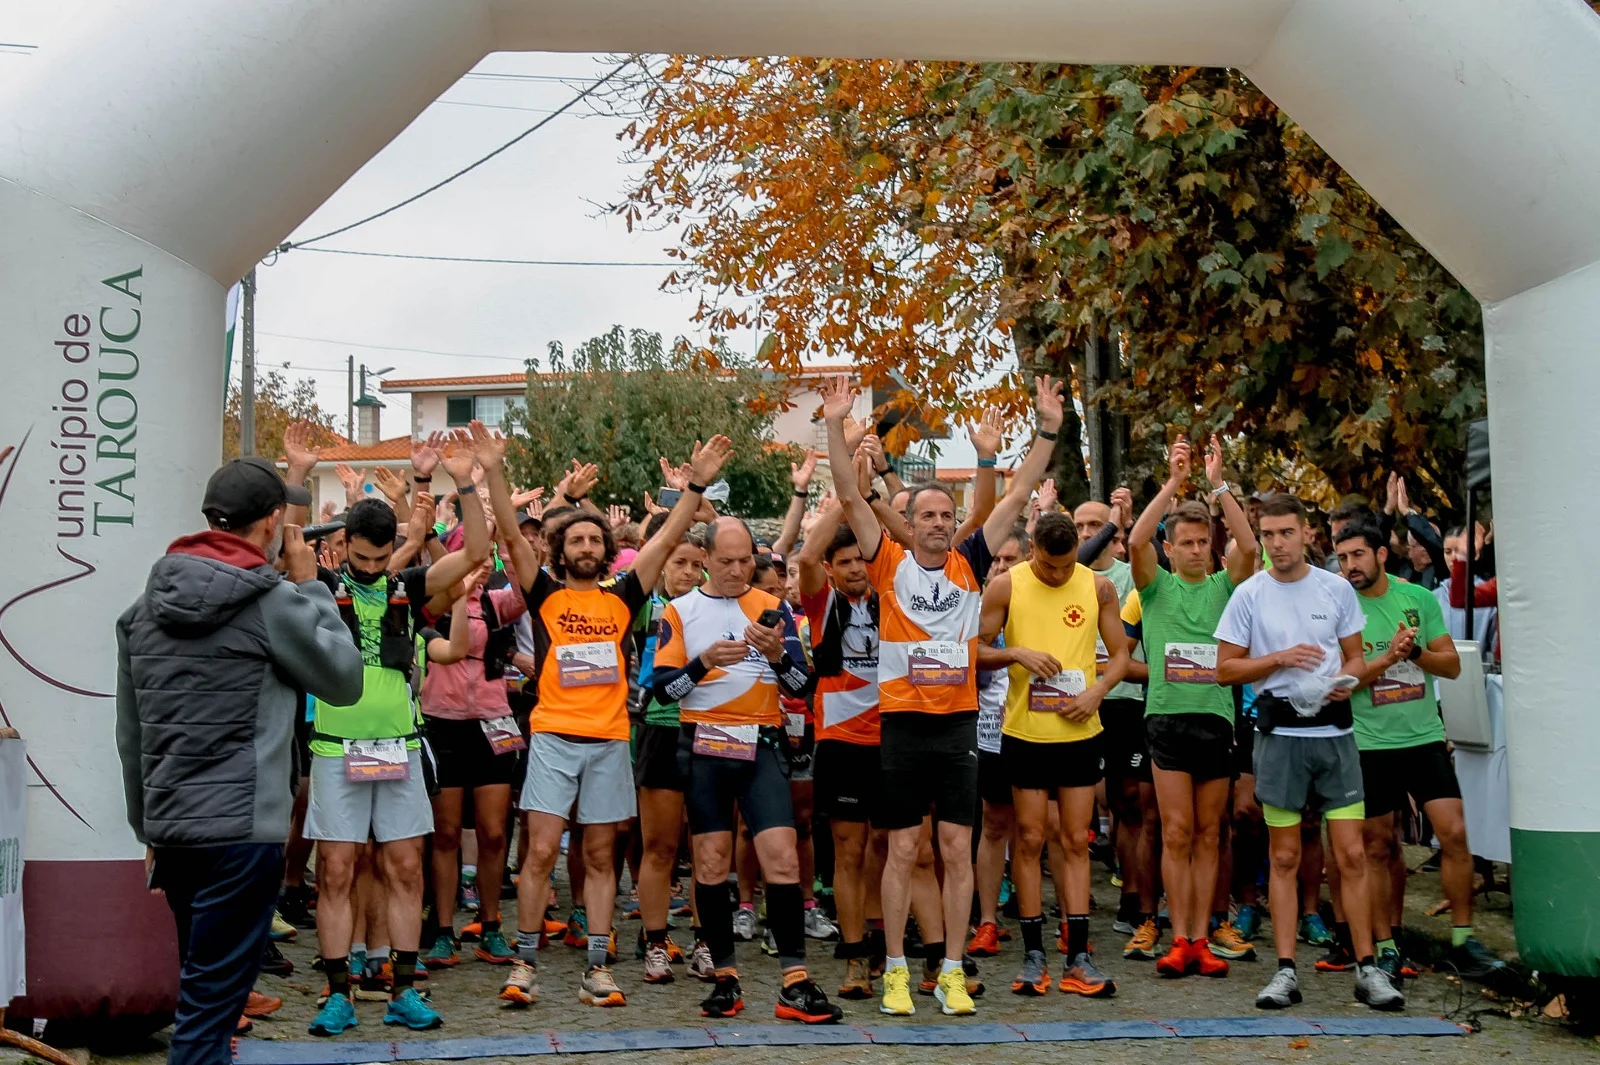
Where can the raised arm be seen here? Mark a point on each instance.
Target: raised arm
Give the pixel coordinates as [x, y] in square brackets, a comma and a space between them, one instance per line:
[1034, 465]
[706, 462]
[801, 476]
[837, 398]
[393, 487]
[813, 575]
[1242, 559]
[445, 574]
[1141, 541]
[459, 644]
[491, 453]
[985, 435]
[300, 455]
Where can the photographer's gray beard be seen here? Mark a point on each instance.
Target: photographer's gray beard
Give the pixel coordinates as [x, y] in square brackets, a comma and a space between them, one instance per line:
[275, 548]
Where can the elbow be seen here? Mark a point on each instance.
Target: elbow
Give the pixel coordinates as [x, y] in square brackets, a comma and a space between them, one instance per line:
[1228, 675]
[345, 680]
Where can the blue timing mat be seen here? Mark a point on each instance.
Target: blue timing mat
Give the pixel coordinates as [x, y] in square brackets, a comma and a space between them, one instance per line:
[325, 1052]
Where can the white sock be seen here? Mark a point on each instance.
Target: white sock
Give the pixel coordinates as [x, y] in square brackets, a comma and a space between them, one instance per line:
[357, 948]
[894, 963]
[949, 967]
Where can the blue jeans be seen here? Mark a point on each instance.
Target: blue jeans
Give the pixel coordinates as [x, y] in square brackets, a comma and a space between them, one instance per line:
[222, 899]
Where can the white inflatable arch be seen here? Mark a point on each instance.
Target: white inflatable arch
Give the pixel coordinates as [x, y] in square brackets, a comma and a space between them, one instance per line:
[149, 159]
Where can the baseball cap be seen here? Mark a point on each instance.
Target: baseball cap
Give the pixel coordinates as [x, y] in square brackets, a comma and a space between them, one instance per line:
[245, 491]
[528, 519]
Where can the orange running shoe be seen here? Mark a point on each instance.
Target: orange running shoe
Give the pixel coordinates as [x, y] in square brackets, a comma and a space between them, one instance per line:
[1205, 963]
[1178, 960]
[985, 940]
[259, 1005]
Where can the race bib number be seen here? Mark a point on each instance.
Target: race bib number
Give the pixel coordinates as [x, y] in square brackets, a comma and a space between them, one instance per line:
[581, 665]
[1404, 682]
[368, 760]
[727, 741]
[934, 663]
[1190, 663]
[1102, 657]
[1053, 695]
[503, 735]
[795, 725]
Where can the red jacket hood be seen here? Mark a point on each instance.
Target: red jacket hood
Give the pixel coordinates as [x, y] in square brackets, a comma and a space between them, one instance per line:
[220, 546]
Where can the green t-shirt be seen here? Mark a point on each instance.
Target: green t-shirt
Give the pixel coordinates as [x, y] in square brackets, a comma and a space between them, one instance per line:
[1180, 625]
[1400, 709]
[385, 708]
[1120, 574]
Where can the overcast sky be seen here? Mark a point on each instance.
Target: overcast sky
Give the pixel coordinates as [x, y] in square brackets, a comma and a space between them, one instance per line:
[539, 200]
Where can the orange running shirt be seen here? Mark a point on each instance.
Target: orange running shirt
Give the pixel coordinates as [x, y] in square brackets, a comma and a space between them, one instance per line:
[846, 703]
[745, 693]
[928, 627]
[583, 665]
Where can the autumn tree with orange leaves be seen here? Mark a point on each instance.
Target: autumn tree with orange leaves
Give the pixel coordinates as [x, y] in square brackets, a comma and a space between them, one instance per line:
[965, 226]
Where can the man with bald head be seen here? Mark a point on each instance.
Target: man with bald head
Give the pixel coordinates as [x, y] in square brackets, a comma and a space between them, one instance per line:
[724, 653]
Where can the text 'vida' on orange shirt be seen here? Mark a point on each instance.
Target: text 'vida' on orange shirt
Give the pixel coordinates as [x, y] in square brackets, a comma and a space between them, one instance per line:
[579, 643]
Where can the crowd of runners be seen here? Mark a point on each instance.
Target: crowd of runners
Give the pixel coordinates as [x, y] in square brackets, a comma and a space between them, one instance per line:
[1210, 695]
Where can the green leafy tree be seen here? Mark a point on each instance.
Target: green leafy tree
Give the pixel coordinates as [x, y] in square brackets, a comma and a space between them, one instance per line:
[624, 400]
[278, 403]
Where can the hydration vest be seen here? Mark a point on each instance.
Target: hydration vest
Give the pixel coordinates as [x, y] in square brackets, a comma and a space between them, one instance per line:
[827, 657]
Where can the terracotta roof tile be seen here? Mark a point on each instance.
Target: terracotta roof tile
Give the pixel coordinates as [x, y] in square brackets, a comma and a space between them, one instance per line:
[448, 382]
[391, 450]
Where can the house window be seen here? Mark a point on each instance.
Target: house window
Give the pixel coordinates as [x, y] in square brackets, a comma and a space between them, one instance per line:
[490, 410]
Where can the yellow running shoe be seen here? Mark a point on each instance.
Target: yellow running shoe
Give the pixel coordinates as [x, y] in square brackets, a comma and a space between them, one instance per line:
[1143, 943]
[1226, 942]
[952, 994]
[897, 992]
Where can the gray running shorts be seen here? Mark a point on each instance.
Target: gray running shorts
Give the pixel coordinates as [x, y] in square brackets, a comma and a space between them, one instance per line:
[598, 777]
[346, 811]
[1291, 771]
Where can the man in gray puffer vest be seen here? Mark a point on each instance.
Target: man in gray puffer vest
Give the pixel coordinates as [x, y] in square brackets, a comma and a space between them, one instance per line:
[210, 664]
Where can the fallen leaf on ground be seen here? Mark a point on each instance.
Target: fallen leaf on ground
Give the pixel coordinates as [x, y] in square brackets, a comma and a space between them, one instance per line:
[1556, 1007]
[1299, 1044]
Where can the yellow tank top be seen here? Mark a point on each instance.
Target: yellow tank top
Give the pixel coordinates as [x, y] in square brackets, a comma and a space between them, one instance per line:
[1062, 622]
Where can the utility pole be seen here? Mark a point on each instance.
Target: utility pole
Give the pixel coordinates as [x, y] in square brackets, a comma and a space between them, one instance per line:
[247, 366]
[350, 401]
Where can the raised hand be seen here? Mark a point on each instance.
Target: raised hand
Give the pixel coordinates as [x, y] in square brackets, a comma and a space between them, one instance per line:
[298, 450]
[708, 459]
[390, 484]
[863, 468]
[651, 506]
[423, 505]
[1402, 497]
[424, 456]
[329, 509]
[617, 516]
[873, 446]
[1049, 403]
[801, 475]
[489, 448]
[1214, 461]
[854, 433]
[352, 481]
[1178, 462]
[676, 476]
[1046, 501]
[1122, 507]
[581, 479]
[837, 398]
[986, 434]
[1391, 501]
[522, 499]
[458, 457]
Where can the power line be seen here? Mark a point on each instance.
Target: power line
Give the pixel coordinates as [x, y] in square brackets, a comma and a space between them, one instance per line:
[496, 107]
[391, 347]
[506, 75]
[582, 95]
[478, 259]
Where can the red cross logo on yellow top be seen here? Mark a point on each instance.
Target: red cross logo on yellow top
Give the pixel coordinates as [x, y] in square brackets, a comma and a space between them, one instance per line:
[1074, 616]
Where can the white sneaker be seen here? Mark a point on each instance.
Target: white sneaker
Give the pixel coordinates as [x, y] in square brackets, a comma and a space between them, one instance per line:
[744, 924]
[1374, 987]
[701, 967]
[1281, 992]
[818, 926]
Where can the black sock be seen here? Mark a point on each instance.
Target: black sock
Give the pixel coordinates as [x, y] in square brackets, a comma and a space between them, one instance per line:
[1077, 934]
[404, 964]
[1128, 906]
[933, 955]
[490, 926]
[786, 916]
[338, 972]
[1364, 962]
[1219, 918]
[656, 936]
[1286, 963]
[1341, 936]
[852, 951]
[1032, 933]
[716, 921]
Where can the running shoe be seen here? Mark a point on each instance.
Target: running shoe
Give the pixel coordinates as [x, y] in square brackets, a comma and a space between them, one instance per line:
[1228, 942]
[657, 966]
[1124, 926]
[259, 1005]
[273, 963]
[419, 980]
[726, 998]
[577, 935]
[599, 988]
[819, 927]
[494, 949]
[356, 964]
[1144, 941]
[294, 907]
[952, 996]
[857, 980]
[674, 952]
[1248, 922]
[1281, 992]
[769, 944]
[552, 927]
[630, 907]
[522, 985]
[985, 940]
[1474, 961]
[1374, 988]
[473, 931]
[969, 965]
[611, 948]
[376, 984]
[1204, 962]
[744, 924]
[679, 907]
[282, 931]
[1314, 931]
[1008, 891]
[337, 1015]
[1389, 962]
[410, 1010]
[805, 1002]
[443, 954]
[1336, 960]
[897, 993]
[1034, 978]
[1085, 978]
[243, 1026]
[1176, 961]
[701, 967]
[469, 896]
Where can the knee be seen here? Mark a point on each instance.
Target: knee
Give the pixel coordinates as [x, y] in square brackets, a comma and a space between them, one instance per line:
[1076, 840]
[543, 852]
[1352, 856]
[849, 851]
[1030, 839]
[1285, 860]
[1379, 847]
[491, 839]
[446, 837]
[403, 870]
[1177, 836]
[1452, 836]
[660, 850]
[996, 827]
[334, 878]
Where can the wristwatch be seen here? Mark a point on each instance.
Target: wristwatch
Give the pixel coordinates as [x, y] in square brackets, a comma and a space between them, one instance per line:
[1416, 652]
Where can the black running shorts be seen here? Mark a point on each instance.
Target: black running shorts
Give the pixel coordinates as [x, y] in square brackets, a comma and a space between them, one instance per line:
[930, 765]
[1425, 773]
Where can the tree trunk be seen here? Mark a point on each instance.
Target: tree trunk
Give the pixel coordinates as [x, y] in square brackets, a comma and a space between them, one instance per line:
[1071, 477]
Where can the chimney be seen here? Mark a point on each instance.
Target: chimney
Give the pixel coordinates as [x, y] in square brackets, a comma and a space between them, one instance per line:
[367, 411]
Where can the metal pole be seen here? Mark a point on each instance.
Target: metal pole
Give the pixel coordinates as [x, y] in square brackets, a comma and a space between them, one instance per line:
[1099, 485]
[1471, 549]
[350, 400]
[247, 366]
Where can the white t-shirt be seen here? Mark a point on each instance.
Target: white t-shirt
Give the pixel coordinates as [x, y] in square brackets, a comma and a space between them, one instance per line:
[1267, 615]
